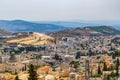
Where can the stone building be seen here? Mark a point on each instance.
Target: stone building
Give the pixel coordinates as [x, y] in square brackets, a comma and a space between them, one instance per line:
[13, 64]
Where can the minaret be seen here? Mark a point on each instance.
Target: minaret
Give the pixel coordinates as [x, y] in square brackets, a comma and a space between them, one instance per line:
[87, 70]
[55, 46]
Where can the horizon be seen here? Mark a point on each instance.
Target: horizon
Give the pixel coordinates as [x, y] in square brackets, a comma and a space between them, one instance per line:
[75, 20]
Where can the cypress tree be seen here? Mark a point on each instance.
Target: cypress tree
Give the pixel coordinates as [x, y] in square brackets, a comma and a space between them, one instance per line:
[117, 67]
[17, 78]
[105, 67]
[113, 56]
[32, 73]
[99, 70]
[77, 55]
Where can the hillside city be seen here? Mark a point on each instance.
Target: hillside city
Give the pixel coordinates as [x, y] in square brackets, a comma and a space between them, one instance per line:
[74, 54]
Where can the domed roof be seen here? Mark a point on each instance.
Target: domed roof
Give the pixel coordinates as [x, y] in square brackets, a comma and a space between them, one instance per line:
[12, 58]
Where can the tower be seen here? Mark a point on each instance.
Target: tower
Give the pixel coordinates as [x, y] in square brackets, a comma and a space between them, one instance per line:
[87, 70]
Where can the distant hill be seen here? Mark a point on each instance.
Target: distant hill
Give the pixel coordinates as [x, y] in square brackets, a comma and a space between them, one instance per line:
[105, 30]
[83, 23]
[70, 24]
[50, 26]
[90, 31]
[4, 32]
[25, 26]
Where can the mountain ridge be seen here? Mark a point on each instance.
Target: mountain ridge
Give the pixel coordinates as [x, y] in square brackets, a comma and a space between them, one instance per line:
[87, 31]
[84, 23]
[105, 30]
[26, 26]
[4, 32]
[47, 26]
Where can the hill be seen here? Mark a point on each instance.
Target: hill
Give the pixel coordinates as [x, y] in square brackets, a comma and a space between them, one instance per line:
[32, 38]
[4, 32]
[25, 26]
[105, 30]
[89, 31]
[83, 23]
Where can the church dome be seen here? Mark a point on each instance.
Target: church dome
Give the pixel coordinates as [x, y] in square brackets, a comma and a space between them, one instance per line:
[12, 58]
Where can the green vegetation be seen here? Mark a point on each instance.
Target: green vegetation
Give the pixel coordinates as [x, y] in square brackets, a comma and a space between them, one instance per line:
[75, 64]
[105, 29]
[78, 55]
[111, 78]
[117, 53]
[95, 76]
[32, 73]
[39, 56]
[113, 74]
[16, 51]
[105, 67]
[17, 78]
[117, 67]
[0, 45]
[99, 70]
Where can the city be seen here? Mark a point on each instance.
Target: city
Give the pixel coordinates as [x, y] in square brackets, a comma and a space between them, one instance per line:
[59, 39]
[67, 58]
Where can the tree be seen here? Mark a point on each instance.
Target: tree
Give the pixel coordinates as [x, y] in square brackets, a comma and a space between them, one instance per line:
[108, 77]
[117, 67]
[117, 53]
[77, 55]
[104, 67]
[57, 57]
[17, 78]
[39, 56]
[118, 63]
[113, 74]
[113, 56]
[1, 45]
[32, 73]
[76, 64]
[72, 63]
[111, 78]
[99, 70]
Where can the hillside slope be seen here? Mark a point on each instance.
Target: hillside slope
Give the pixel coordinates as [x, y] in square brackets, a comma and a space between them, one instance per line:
[4, 32]
[82, 23]
[32, 39]
[89, 31]
[105, 29]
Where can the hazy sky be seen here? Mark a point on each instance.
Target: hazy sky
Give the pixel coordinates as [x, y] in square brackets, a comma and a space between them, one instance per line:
[60, 9]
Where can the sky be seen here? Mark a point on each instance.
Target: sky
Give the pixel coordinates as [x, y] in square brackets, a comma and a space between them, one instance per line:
[60, 9]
